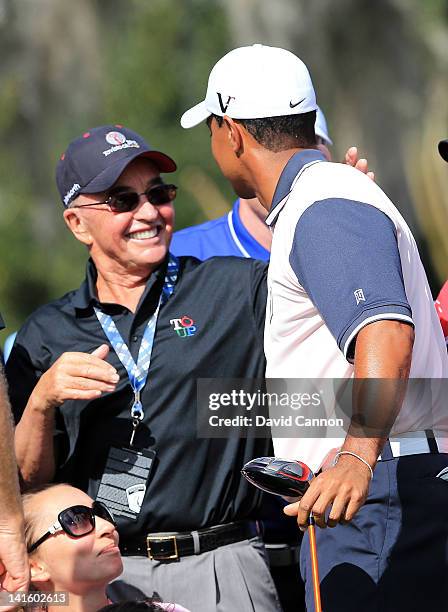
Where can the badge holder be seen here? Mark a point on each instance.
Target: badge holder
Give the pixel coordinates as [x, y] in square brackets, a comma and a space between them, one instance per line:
[127, 473]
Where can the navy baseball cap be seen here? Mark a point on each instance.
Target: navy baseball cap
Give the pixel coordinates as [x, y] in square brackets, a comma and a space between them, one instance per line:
[94, 161]
[443, 149]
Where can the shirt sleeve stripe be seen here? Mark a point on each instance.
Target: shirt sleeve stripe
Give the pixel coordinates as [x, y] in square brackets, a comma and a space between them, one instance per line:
[398, 314]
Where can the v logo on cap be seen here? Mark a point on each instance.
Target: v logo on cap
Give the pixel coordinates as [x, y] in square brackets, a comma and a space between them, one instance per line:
[225, 106]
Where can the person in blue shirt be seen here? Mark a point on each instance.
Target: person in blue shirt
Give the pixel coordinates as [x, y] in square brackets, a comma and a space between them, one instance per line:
[227, 235]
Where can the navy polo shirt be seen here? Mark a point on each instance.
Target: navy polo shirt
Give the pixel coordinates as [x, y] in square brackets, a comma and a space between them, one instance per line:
[195, 482]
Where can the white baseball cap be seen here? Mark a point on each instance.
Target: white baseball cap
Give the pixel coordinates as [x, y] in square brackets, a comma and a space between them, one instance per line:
[320, 127]
[253, 83]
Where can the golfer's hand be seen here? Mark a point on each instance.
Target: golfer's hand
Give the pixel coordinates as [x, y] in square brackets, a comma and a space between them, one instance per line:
[342, 488]
[76, 376]
[14, 568]
[352, 159]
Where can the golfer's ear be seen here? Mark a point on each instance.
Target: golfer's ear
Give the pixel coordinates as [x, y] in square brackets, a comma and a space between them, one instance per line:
[234, 134]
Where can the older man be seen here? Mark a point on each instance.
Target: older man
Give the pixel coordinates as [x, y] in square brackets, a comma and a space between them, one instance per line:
[103, 383]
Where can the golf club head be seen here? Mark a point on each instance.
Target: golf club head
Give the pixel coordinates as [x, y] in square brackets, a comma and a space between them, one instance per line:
[278, 476]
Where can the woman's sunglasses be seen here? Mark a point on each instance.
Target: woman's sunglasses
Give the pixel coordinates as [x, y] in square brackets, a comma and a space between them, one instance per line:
[126, 201]
[76, 521]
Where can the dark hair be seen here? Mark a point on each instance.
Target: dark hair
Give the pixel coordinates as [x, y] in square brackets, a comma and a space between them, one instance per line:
[280, 133]
[145, 605]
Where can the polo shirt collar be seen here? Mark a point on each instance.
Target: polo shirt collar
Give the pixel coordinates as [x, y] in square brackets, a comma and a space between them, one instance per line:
[86, 295]
[295, 165]
[245, 242]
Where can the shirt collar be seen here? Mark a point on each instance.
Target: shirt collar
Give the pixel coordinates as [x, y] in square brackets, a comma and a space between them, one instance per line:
[86, 295]
[251, 247]
[291, 170]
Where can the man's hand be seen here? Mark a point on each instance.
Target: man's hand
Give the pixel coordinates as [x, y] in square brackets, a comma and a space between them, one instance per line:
[352, 159]
[14, 568]
[342, 488]
[76, 376]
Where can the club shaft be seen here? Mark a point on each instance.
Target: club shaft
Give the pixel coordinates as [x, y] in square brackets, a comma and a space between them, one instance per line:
[314, 564]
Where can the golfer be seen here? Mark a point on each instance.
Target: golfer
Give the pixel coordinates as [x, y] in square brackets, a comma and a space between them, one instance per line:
[347, 297]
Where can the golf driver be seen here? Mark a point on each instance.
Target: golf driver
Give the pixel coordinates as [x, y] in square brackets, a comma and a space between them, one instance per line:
[288, 479]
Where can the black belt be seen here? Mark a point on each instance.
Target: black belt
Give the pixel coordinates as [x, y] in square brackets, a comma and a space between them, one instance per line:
[172, 546]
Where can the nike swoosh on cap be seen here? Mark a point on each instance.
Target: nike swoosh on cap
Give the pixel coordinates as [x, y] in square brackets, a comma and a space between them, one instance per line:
[291, 105]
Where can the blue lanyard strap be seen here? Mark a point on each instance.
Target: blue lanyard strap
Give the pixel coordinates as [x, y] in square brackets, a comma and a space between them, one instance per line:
[138, 372]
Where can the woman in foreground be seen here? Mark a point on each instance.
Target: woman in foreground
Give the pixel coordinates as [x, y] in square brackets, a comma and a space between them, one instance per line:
[72, 543]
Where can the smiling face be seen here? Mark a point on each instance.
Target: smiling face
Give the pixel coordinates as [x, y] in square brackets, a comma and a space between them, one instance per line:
[64, 563]
[134, 242]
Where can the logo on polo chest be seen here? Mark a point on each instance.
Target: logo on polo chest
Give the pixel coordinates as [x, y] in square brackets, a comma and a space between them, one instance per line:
[184, 327]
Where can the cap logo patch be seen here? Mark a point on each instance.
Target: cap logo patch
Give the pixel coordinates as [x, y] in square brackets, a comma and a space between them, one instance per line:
[119, 141]
[115, 138]
[71, 192]
[225, 106]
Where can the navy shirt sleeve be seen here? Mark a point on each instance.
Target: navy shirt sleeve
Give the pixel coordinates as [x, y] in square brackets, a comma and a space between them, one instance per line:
[345, 255]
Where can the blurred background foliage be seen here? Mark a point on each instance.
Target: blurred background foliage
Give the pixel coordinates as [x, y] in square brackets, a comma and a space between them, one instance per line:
[379, 68]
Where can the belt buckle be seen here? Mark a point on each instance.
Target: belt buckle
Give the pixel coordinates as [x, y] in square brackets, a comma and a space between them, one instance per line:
[163, 556]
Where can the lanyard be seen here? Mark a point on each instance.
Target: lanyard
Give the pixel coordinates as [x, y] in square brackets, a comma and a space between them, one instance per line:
[138, 372]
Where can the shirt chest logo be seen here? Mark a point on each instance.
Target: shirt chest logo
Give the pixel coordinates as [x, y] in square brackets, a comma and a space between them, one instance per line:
[184, 327]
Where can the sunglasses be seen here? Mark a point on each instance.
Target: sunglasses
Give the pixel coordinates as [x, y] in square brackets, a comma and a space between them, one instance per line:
[76, 521]
[127, 201]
